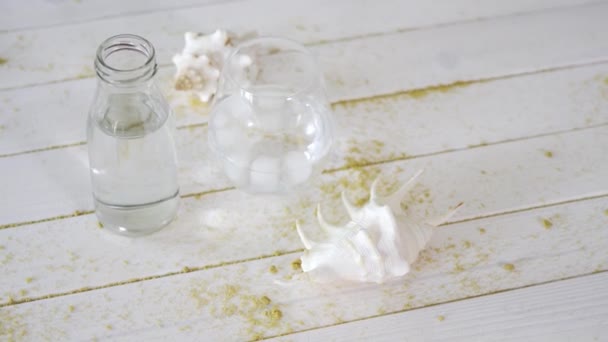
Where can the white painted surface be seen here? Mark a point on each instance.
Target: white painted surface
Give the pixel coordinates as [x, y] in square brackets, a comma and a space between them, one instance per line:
[211, 230]
[574, 307]
[188, 306]
[527, 143]
[455, 55]
[14, 16]
[36, 56]
[457, 119]
[41, 13]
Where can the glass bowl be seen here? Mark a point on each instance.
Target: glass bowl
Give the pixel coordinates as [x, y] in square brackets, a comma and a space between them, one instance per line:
[270, 124]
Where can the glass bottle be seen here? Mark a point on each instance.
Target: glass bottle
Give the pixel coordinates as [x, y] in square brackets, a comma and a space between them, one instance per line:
[130, 136]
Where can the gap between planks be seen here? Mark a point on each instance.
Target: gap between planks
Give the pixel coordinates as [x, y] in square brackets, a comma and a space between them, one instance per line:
[437, 153]
[123, 15]
[353, 38]
[185, 269]
[349, 166]
[436, 304]
[437, 88]
[453, 23]
[80, 143]
[188, 269]
[221, 2]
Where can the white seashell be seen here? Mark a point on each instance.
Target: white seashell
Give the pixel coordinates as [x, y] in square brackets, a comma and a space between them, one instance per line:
[199, 64]
[379, 242]
[196, 74]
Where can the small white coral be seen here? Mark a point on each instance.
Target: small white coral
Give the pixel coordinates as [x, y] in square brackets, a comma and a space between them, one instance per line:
[379, 243]
[196, 74]
[199, 64]
[215, 45]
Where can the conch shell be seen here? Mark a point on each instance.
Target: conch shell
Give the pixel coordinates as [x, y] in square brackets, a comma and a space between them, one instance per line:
[379, 243]
[199, 64]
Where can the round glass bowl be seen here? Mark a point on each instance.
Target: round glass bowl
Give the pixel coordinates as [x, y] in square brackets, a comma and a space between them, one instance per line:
[271, 124]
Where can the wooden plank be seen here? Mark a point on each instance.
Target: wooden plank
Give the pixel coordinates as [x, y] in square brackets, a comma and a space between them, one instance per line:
[462, 261]
[226, 227]
[39, 13]
[15, 16]
[36, 57]
[569, 310]
[190, 305]
[28, 115]
[56, 182]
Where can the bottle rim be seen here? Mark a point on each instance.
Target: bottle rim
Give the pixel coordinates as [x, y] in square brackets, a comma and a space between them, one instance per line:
[120, 75]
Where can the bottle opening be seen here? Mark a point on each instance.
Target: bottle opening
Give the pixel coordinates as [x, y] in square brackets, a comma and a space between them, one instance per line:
[125, 58]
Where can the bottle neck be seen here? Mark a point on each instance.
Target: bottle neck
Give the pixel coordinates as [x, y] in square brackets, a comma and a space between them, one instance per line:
[125, 61]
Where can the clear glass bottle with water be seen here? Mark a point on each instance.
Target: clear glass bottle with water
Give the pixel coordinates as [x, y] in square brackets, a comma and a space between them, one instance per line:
[130, 134]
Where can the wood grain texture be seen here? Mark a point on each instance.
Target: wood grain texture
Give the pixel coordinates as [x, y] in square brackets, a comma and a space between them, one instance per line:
[14, 16]
[35, 57]
[226, 302]
[423, 123]
[40, 13]
[569, 310]
[504, 104]
[231, 226]
[443, 55]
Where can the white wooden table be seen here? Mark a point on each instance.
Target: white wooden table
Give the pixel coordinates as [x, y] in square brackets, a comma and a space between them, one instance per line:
[503, 103]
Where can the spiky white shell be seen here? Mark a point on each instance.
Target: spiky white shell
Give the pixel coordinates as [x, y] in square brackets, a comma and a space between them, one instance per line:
[199, 64]
[380, 242]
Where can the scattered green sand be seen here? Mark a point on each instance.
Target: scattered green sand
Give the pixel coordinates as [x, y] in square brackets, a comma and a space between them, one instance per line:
[548, 154]
[444, 88]
[273, 314]
[509, 267]
[233, 300]
[547, 224]
[440, 318]
[264, 300]
[230, 291]
[3, 61]
[12, 326]
[273, 269]
[360, 152]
